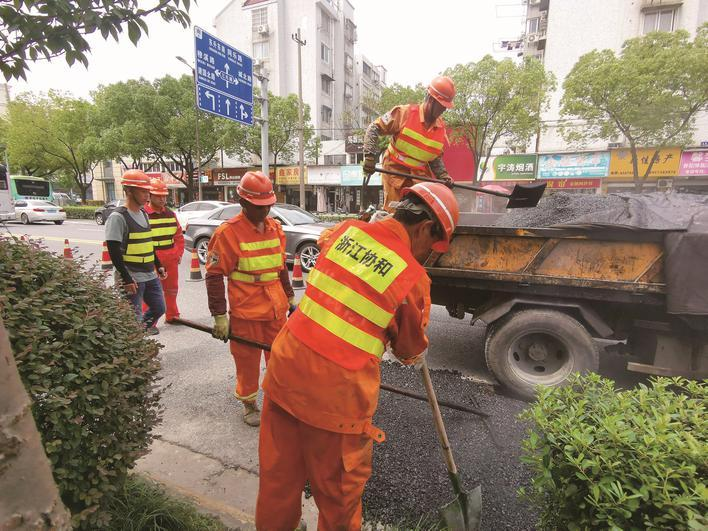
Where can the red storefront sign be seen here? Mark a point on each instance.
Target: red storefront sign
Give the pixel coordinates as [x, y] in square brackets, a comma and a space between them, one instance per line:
[568, 184]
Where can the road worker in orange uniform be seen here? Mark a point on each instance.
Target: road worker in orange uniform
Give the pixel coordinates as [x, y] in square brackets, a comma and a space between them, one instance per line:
[168, 240]
[249, 250]
[367, 291]
[418, 139]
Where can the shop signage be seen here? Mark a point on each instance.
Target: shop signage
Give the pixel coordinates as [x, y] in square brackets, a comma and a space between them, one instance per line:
[354, 143]
[666, 163]
[694, 163]
[574, 165]
[289, 175]
[324, 175]
[353, 175]
[574, 184]
[510, 168]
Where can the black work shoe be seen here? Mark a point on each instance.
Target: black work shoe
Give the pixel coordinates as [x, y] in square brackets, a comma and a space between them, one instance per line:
[152, 331]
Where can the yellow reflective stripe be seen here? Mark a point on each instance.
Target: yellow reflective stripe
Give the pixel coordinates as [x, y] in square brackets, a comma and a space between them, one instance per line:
[363, 256]
[163, 221]
[139, 259]
[414, 151]
[245, 277]
[407, 160]
[163, 231]
[164, 243]
[422, 138]
[139, 248]
[258, 263]
[257, 246]
[340, 328]
[350, 298]
[140, 235]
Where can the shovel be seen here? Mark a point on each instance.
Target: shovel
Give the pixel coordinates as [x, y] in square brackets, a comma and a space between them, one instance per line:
[464, 513]
[522, 196]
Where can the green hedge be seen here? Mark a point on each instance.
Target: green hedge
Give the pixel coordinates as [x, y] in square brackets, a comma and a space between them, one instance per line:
[608, 459]
[89, 369]
[80, 212]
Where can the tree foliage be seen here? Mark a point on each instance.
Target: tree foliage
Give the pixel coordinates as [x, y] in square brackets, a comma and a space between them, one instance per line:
[397, 94]
[45, 29]
[498, 99]
[650, 93]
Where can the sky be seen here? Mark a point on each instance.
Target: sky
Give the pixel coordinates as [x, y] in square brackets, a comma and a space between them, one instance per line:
[414, 39]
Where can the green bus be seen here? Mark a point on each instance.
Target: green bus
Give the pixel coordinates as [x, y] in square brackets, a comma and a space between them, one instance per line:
[26, 187]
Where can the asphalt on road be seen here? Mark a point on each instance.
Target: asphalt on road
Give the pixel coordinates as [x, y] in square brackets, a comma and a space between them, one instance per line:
[409, 480]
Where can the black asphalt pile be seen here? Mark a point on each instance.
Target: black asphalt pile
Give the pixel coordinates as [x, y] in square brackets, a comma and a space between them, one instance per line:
[410, 479]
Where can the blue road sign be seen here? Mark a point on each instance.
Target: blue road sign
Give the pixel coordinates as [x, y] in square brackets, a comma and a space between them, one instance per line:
[224, 77]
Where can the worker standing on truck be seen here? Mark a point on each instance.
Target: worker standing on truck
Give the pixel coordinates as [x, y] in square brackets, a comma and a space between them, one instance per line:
[169, 244]
[249, 250]
[418, 139]
[368, 290]
[130, 246]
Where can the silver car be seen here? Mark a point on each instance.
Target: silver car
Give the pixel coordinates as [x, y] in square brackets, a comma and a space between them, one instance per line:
[302, 230]
[32, 210]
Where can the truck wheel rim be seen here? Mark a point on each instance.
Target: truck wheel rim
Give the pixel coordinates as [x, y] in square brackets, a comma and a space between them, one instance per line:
[540, 358]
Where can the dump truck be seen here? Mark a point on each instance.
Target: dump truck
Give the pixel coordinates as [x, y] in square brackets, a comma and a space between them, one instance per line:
[546, 294]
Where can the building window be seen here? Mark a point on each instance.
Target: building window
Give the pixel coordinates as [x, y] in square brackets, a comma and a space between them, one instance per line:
[532, 25]
[366, 67]
[348, 62]
[326, 114]
[259, 17]
[325, 23]
[325, 53]
[260, 50]
[348, 91]
[327, 84]
[660, 20]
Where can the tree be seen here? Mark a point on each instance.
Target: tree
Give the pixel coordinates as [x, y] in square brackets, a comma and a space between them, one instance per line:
[495, 100]
[397, 94]
[650, 93]
[45, 29]
[282, 131]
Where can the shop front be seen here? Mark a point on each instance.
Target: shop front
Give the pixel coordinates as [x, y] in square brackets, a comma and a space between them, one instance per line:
[287, 179]
[325, 181]
[349, 200]
[662, 163]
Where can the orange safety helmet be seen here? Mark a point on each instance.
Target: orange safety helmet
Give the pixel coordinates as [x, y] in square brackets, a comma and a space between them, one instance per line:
[442, 89]
[136, 179]
[256, 188]
[158, 187]
[440, 199]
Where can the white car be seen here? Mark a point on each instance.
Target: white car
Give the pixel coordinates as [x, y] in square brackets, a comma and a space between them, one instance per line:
[32, 210]
[197, 209]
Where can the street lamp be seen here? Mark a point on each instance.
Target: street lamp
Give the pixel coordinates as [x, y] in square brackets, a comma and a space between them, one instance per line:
[196, 129]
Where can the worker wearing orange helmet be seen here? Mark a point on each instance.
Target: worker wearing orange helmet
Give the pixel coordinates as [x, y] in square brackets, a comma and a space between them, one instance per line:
[169, 244]
[131, 248]
[418, 138]
[249, 250]
[367, 291]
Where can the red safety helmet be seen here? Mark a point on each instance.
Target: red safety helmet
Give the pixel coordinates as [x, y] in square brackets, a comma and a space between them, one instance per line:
[158, 187]
[136, 179]
[256, 188]
[442, 89]
[442, 202]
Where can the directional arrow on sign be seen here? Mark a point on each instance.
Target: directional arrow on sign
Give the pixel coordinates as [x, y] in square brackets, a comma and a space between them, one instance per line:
[244, 114]
[228, 106]
[212, 98]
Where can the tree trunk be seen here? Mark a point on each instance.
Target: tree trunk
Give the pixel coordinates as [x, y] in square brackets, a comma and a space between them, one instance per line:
[30, 498]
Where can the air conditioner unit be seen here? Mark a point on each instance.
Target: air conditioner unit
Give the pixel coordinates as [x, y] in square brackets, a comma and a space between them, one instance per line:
[263, 29]
[615, 145]
[664, 184]
[531, 38]
[534, 2]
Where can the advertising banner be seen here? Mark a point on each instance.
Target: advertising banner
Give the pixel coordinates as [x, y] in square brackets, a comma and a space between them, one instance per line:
[289, 175]
[574, 165]
[510, 168]
[353, 175]
[574, 184]
[694, 163]
[666, 163]
[324, 175]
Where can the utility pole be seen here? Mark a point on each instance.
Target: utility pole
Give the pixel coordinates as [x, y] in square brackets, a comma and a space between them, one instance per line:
[196, 129]
[262, 76]
[301, 127]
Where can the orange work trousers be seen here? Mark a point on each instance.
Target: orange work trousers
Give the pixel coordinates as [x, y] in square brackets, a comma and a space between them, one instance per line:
[392, 187]
[291, 452]
[248, 359]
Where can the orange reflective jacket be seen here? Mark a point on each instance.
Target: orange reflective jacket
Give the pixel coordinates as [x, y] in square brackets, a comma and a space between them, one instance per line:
[414, 146]
[353, 294]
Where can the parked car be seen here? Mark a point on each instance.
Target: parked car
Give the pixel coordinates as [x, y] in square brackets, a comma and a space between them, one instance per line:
[101, 213]
[302, 230]
[32, 210]
[197, 209]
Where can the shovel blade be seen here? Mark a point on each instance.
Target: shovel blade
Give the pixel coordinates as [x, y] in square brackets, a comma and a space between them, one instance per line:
[526, 195]
[464, 513]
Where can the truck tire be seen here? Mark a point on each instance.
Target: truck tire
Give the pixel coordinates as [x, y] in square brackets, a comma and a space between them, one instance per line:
[538, 347]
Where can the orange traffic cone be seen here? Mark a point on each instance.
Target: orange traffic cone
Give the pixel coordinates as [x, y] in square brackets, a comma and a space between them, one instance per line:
[106, 263]
[23, 238]
[195, 272]
[297, 282]
[67, 250]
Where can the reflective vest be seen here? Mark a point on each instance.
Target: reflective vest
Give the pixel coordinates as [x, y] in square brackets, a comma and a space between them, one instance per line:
[353, 293]
[261, 258]
[414, 146]
[164, 228]
[138, 249]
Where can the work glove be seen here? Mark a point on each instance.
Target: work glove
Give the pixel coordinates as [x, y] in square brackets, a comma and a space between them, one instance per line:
[446, 180]
[369, 163]
[419, 360]
[162, 273]
[221, 327]
[292, 307]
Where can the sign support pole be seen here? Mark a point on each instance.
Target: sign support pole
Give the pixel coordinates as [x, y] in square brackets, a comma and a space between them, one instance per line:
[301, 128]
[262, 76]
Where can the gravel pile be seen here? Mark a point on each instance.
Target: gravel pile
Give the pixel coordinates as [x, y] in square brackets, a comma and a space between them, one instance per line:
[410, 480]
